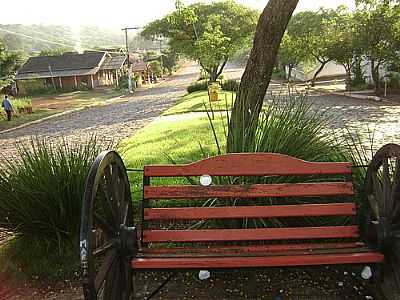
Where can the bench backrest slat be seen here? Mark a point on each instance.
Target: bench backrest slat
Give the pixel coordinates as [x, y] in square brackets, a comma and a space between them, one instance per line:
[249, 191]
[270, 207]
[236, 212]
[254, 234]
[249, 164]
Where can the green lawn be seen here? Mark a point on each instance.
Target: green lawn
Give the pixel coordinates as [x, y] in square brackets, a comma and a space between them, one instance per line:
[173, 137]
[195, 102]
[24, 118]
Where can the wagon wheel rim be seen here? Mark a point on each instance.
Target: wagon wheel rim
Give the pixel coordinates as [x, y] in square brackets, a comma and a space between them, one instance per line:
[383, 193]
[383, 190]
[107, 237]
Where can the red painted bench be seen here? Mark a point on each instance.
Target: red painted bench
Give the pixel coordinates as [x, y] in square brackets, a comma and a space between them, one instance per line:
[167, 238]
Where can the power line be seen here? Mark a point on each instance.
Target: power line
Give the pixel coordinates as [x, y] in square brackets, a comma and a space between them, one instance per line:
[51, 42]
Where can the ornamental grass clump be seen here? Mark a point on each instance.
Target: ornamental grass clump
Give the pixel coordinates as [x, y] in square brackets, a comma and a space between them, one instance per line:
[292, 125]
[41, 192]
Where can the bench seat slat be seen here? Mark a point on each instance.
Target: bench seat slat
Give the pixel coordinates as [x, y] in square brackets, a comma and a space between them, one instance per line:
[272, 211]
[249, 191]
[253, 234]
[249, 164]
[171, 253]
[253, 248]
[258, 261]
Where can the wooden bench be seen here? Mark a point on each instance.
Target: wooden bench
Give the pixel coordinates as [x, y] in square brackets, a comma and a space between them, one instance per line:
[193, 236]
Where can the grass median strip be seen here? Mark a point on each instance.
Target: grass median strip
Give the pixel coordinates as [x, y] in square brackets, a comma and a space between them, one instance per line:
[194, 102]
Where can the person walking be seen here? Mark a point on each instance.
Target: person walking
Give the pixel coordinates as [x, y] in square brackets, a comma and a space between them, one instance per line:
[6, 104]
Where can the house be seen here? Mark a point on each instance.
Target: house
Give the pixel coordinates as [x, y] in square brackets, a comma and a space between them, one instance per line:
[140, 69]
[71, 71]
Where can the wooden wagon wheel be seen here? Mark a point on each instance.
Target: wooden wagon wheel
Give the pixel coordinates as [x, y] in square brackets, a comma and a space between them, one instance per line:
[107, 235]
[383, 193]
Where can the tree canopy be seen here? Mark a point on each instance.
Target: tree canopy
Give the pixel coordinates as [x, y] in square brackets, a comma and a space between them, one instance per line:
[208, 33]
[9, 63]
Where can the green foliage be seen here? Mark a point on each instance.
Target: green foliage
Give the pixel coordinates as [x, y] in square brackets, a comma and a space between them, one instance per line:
[40, 258]
[290, 125]
[318, 35]
[21, 104]
[394, 81]
[378, 26]
[208, 33]
[200, 102]
[230, 85]
[41, 192]
[197, 86]
[33, 87]
[170, 60]
[292, 52]
[9, 63]
[358, 74]
[55, 51]
[155, 66]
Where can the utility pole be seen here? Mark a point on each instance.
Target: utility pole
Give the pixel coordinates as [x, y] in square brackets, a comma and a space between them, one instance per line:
[161, 57]
[127, 57]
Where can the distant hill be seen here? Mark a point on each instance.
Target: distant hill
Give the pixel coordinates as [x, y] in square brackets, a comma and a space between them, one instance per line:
[31, 39]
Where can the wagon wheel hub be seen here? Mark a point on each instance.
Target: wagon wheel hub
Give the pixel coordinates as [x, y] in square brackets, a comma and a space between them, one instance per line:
[127, 240]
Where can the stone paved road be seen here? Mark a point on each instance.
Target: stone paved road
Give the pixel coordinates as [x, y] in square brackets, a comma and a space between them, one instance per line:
[110, 122]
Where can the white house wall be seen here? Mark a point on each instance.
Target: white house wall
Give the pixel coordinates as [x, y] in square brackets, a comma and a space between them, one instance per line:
[331, 69]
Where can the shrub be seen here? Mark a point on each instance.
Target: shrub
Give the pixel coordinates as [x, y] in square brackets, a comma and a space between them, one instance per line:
[198, 86]
[394, 81]
[41, 192]
[21, 104]
[230, 85]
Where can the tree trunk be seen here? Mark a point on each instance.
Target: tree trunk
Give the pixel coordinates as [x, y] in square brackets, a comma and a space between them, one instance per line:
[290, 67]
[213, 72]
[375, 77]
[257, 75]
[317, 73]
[348, 76]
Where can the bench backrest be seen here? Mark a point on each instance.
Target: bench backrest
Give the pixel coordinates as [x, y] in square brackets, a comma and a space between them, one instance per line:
[255, 201]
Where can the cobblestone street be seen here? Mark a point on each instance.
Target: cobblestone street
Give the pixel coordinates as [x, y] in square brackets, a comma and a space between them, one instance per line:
[110, 122]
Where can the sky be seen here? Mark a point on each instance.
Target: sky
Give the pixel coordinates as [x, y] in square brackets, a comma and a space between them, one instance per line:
[113, 14]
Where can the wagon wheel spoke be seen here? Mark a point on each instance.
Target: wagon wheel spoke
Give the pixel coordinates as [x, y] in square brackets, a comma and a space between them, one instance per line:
[128, 287]
[104, 225]
[377, 195]
[112, 286]
[387, 188]
[396, 191]
[110, 194]
[104, 248]
[108, 262]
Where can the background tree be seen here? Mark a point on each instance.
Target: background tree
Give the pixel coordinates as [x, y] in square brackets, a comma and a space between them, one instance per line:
[378, 25]
[9, 63]
[170, 59]
[292, 52]
[207, 33]
[317, 32]
[257, 74]
[346, 46]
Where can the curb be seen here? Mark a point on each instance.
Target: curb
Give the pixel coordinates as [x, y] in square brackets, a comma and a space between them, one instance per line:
[354, 96]
[67, 112]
